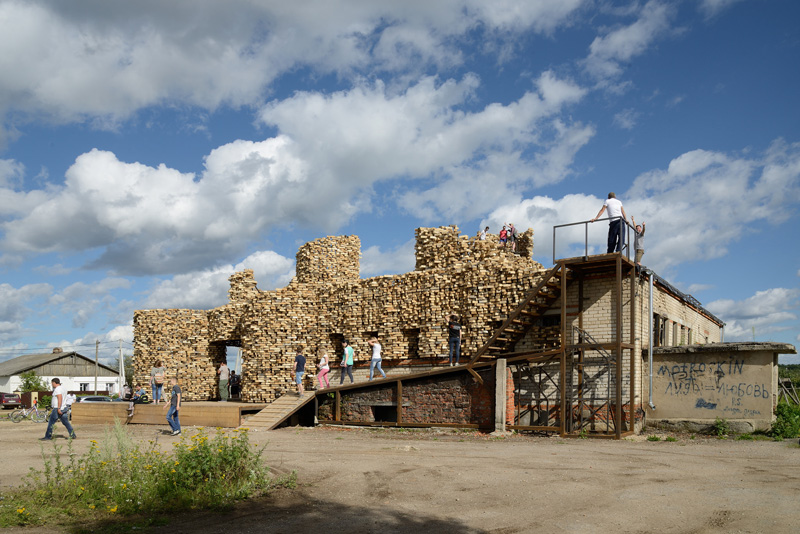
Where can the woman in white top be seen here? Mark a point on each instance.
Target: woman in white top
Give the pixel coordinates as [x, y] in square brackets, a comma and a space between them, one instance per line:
[323, 371]
[375, 363]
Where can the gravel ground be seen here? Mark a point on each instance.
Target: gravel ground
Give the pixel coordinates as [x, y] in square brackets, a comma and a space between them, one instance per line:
[354, 480]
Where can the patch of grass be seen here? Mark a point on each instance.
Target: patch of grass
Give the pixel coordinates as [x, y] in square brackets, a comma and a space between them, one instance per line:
[653, 438]
[787, 421]
[720, 428]
[120, 477]
[671, 438]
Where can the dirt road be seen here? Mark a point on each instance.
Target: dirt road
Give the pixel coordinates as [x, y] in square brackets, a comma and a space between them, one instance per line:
[386, 481]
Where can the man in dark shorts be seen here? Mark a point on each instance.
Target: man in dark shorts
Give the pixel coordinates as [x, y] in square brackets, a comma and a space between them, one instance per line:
[299, 370]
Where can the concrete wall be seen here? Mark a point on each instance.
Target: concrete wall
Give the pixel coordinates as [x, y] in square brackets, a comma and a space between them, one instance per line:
[695, 385]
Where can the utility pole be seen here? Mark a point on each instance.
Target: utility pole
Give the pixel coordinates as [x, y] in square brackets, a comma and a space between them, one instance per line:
[96, 351]
[121, 368]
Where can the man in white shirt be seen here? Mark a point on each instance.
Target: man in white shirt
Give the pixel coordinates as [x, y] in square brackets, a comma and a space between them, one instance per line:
[60, 411]
[616, 228]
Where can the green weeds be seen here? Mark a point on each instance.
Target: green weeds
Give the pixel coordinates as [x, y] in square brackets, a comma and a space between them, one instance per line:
[120, 477]
[720, 428]
[787, 421]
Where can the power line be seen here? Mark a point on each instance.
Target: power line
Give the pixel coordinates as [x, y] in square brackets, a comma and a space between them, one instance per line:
[67, 348]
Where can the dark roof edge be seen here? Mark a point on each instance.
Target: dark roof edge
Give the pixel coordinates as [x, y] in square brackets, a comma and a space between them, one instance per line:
[688, 299]
[743, 346]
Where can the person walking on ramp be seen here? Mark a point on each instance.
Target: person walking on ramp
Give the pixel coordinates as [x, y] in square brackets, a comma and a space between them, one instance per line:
[347, 362]
[375, 362]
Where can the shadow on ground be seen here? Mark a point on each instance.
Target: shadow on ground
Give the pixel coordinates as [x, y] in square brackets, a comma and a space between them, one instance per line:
[292, 512]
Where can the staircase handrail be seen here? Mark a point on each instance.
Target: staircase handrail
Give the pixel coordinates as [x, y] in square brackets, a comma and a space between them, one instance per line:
[626, 237]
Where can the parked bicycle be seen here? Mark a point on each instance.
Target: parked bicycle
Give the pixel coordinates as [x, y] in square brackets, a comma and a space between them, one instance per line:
[33, 413]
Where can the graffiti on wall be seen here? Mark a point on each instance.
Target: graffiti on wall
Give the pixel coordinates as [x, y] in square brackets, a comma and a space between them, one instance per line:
[718, 385]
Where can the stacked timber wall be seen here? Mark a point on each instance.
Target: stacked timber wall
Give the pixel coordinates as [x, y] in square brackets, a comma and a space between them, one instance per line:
[327, 302]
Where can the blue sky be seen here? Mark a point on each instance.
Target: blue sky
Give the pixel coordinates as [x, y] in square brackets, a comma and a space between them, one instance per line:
[149, 150]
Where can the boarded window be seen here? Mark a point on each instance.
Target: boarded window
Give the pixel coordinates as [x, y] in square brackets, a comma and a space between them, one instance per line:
[411, 343]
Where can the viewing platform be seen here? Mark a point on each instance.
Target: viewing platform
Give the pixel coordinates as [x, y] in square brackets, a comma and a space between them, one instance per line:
[200, 413]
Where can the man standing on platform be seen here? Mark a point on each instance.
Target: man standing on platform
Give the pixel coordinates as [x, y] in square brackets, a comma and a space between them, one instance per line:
[224, 374]
[616, 226]
[454, 338]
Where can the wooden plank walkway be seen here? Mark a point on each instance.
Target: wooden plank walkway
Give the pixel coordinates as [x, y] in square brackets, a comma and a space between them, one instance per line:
[200, 413]
[279, 410]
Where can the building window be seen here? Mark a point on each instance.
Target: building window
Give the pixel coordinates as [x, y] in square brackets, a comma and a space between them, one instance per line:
[674, 334]
[689, 334]
[659, 330]
[656, 330]
[683, 335]
[411, 342]
[83, 386]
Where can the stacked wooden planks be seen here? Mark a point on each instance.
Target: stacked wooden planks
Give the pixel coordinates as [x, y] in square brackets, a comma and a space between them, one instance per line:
[327, 302]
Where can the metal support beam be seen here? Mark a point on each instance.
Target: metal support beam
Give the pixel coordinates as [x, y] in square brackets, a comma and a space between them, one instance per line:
[618, 407]
[564, 410]
[500, 386]
[399, 402]
[633, 364]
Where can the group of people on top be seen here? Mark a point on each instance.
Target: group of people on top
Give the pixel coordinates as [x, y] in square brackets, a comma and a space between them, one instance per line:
[508, 236]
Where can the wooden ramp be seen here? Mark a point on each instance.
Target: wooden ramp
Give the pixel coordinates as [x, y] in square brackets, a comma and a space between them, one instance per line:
[279, 410]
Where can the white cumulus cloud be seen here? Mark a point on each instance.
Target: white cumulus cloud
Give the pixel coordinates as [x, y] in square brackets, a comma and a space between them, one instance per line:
[694, 209]
[610, 52]
[209, 288]
[759, 316]
[101, 62]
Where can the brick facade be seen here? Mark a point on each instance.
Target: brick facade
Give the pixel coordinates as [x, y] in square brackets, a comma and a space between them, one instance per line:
[452, 399]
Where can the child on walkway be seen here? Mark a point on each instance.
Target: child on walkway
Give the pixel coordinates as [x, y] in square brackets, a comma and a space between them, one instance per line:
[323, 367]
